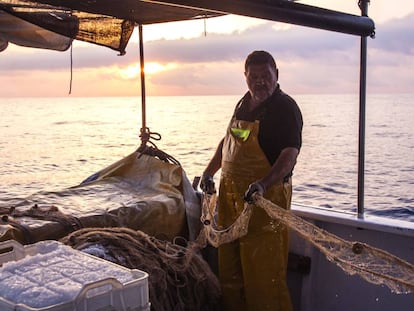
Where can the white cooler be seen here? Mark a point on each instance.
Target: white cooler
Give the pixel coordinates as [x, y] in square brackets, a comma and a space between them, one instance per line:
[49, 275]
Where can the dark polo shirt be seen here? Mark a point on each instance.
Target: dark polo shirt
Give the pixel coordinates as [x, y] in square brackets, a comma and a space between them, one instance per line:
[280, 123]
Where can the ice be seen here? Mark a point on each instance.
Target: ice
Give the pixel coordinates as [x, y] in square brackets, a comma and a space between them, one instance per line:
[67, 288]
[37, 274]
[13, 286]
[40, 297]
[52, 258]
[25, 268]
[89, 277]
[54, 273]
[69, 269]
[122, 276]
[5, 275]
[46, 247]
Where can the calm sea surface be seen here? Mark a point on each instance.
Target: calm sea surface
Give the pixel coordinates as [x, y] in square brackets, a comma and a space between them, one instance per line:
[49, 144]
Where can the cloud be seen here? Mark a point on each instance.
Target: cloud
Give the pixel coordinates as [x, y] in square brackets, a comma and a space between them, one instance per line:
[297, 41]
[84, 56]
[201, 79]
[293, 42]
[396, 35]
[310, 60]
[306, 57]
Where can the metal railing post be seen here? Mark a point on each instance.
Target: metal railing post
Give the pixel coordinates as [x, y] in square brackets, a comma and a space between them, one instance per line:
[363, 4]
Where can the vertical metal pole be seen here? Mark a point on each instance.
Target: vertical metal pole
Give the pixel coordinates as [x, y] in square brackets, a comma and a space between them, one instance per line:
[363, 4]
[141, 61]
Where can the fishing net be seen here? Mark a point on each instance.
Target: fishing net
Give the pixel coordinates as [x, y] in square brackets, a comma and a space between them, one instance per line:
[179, 279]
[372, 264]
[215, 235]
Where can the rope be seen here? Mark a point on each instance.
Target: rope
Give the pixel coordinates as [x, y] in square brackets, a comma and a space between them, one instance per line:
[146, 137]
[27, 236]
[52, 213]
[179, 279]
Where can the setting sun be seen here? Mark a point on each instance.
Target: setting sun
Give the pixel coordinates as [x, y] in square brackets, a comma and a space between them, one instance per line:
[133, 70]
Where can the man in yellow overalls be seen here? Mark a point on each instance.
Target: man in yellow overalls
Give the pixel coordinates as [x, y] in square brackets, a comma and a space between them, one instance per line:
[257, 155]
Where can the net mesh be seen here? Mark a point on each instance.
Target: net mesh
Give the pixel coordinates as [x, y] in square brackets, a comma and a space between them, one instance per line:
[372, 264]
[215, 235]
[179, 279]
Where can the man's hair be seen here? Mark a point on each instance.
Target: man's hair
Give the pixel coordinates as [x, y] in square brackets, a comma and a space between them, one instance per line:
[259, 58]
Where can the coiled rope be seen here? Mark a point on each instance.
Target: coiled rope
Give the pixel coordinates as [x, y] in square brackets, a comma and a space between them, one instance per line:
[179, 279]
[147, 137]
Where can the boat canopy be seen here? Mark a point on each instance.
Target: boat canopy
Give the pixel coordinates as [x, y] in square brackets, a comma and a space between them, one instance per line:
[53, 24]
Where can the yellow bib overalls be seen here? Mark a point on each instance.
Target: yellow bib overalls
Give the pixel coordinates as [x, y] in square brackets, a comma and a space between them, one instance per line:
[252, 269]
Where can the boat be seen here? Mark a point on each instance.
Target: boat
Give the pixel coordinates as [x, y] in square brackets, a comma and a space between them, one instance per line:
[315, 281]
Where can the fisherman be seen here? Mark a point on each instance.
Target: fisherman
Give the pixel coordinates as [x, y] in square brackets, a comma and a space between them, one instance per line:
[256, 156]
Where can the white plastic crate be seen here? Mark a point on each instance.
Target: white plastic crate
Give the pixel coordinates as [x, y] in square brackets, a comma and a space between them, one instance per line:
[50, 276]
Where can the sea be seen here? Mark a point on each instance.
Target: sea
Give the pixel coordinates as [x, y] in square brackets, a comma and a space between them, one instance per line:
[50, 144]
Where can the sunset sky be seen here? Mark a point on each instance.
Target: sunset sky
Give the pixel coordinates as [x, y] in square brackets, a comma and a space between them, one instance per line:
[181, 60]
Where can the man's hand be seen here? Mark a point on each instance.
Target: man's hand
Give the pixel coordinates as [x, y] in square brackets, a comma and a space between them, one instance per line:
[256, 187]
[207, 184]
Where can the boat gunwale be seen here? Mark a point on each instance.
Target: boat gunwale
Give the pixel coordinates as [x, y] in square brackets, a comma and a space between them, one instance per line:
[382, 224]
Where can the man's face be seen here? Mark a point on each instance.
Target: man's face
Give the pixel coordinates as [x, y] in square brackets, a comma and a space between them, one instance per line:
[261, 81]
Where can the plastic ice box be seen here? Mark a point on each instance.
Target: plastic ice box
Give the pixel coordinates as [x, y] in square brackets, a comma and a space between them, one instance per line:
[50, 276]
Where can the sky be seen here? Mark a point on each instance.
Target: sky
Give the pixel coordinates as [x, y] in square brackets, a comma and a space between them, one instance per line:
[207, 58]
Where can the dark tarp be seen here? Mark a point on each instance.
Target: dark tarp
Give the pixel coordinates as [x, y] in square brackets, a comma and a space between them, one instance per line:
[98, 29]
[106, 22]
[110, 22]
[23, 33]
